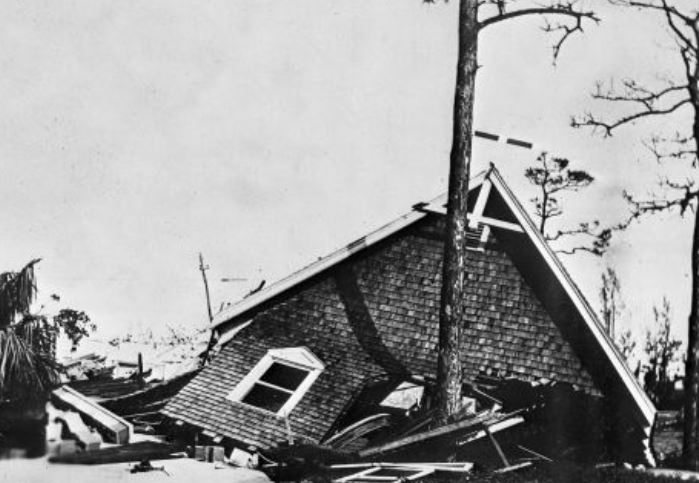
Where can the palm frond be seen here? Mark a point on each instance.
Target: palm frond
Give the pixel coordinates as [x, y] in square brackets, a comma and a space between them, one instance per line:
[24, 371]
[17, 292]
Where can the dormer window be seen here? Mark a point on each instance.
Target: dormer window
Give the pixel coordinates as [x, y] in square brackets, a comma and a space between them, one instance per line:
[279, 380]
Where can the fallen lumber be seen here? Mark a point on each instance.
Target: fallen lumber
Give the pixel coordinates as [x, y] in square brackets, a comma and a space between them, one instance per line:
[493, 428]
[463, 467]
[516, 467]
[395, 472]
[73, 427]
[361, 428]
[538, 455]
[113, 428]
[369, 474]
[480, 420]
[144, 450]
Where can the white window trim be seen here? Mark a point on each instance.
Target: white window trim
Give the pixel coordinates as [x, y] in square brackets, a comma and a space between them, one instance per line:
[300, 357]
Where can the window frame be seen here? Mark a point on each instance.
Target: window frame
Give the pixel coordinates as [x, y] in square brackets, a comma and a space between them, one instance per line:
[297, 357]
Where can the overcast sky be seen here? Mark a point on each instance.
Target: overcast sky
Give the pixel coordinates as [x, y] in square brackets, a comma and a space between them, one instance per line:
[135, 134]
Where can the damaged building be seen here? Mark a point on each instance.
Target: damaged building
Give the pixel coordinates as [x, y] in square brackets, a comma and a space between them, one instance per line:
[330, 347]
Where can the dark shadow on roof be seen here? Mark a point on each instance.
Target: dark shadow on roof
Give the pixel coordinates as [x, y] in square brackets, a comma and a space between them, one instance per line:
[361, 322]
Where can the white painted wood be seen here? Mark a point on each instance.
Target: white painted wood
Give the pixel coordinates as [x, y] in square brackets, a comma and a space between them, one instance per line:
[505, 225]
[644, 404]
[299, 357]
[474, 218]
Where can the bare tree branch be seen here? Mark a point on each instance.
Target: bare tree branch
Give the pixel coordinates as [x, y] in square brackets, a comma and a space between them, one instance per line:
[560, 8]
[634, 92]
[680, 149]
[655, 205]
[661, 6]
[590, 121]
[599, 238]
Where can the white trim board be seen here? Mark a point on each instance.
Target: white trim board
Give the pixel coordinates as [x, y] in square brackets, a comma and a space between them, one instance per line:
[645, 405]
[330, 260]
[300, 357]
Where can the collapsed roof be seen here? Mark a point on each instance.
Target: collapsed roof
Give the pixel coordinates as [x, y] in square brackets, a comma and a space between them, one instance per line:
[370, 309]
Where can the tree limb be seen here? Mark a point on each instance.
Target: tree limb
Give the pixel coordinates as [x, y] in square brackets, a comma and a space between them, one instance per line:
[559, 8]
[590, 121]
[642, 207]
[556, 9]
[664, 7]
[636, 93]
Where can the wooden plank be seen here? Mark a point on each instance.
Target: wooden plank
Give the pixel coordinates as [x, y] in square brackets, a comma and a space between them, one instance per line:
[358, 429]
[475, 217]
[417, 476]
[359, 474]
[494, 428]
[450, 428]
[121, 454]
[112, 427]
[501, 453]
[538, 455]
[377, 478]
[514, 467]
[463, 467]
[505, 225]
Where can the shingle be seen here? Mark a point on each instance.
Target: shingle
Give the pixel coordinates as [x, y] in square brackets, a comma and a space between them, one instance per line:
[388, 311]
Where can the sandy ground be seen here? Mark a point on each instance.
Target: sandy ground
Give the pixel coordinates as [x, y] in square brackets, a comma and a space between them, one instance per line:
[184, 470]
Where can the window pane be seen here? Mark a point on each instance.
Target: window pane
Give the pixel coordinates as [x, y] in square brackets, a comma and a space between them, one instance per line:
[266, 397]
[284, 376]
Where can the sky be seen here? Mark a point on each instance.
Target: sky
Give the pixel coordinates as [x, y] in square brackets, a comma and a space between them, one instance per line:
[267, 133]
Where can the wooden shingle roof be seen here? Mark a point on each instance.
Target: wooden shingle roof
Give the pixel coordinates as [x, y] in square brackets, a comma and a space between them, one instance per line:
[372, 309]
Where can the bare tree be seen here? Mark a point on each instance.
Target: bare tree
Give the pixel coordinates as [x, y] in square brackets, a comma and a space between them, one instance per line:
[661, 350]
[612, 306]
[474, 16]
[610, 296]
[672, 98]
[626, 345]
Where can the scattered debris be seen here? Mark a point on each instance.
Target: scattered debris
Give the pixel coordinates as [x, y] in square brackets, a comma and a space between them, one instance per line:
[397, 472]
[113, 428]
[211, 454]
[66, 433]
[481, 422]
[144, 450]
[346, 437]
[145, 466]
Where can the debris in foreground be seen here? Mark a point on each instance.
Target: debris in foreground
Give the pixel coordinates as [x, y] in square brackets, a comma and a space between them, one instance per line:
[113, 428]
[395, 472]
[145, 466]
[128, 453]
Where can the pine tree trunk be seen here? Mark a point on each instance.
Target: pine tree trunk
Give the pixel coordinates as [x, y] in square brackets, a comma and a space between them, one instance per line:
[454, 274]
[691, 383]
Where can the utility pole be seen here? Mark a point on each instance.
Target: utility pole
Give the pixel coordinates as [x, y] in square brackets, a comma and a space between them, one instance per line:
[203, 268]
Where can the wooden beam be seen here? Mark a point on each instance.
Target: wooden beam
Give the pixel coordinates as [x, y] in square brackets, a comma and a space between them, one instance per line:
[359, 474]
[441, 431]
[475, 217]
[501, 453]
[505, 225]
[485, 234]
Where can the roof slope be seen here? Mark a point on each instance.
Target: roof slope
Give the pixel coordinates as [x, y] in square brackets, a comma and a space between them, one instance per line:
[372, 308]
[377, 313]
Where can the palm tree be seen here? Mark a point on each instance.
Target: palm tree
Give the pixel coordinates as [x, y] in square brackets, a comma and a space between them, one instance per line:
[27, 363]
[28, 369]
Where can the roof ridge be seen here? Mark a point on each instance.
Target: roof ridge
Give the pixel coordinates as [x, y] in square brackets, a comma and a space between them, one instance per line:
[324, 262]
